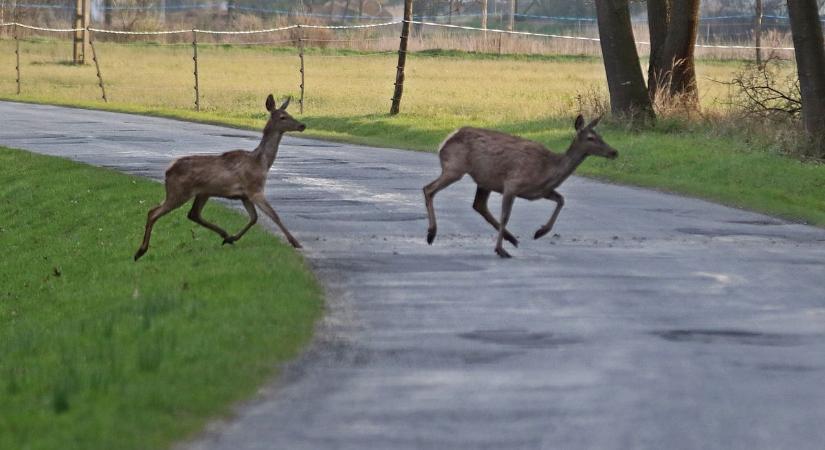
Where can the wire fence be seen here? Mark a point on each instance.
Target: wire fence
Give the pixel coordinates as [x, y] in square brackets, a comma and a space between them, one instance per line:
[229, 14]
[348, 15]
[305, 41]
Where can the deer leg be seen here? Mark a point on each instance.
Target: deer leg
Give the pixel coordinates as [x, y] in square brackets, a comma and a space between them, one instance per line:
[261, 202]
[506, 207]
[253, 217]
[480, 205]
[556, 197]
[195, 216]
[430, 190]
[154, 214]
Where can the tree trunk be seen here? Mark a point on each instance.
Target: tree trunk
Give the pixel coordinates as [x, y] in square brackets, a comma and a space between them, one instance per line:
[484, 14]
[679, 49]
[512, 19]
[673, 27]
[625, 82]
[810, 65]
[658, 19]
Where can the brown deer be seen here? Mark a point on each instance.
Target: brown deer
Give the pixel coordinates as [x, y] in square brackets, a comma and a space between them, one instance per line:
[238, 175]
[512, 166]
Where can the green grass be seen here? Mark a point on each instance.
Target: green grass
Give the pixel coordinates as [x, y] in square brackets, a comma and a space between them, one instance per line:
[100, 352]
[348, 97]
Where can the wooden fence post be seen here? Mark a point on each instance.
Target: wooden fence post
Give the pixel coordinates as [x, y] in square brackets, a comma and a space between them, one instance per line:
[17, 56]
[757, 32]
[301, 56]
[511, 19]
[97, 66]
[195, 58]
[83, 11]
[402, 59]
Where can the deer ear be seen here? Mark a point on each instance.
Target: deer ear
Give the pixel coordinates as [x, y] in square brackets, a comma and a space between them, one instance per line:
[595, 122]
[270, 103]
[286, 103]
[579, 122]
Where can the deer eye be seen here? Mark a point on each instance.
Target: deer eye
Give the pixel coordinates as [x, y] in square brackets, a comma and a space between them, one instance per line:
[282, 117]
[591, 138]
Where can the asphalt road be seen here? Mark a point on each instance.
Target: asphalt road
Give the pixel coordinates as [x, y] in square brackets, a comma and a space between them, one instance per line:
[651, 321]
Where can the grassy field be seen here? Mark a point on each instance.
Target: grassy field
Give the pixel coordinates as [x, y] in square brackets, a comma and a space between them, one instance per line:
[348, 96]
[100, 352]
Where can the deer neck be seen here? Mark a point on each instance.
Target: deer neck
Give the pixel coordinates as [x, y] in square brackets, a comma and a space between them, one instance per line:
[268, 148]
[573, 157]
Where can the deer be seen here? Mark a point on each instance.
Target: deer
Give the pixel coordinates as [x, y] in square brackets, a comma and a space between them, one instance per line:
[237, 175]
[513, 167]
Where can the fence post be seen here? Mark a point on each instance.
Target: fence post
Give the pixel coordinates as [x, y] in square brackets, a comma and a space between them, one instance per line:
[97, 65]
[83, 10]
[511, 19]
[195, 58]
[402, 59]
[301, 55]
[17, 57]
[757, 32]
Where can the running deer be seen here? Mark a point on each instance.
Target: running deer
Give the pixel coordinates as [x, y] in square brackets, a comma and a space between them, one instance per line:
[513, 167]
[238, 175]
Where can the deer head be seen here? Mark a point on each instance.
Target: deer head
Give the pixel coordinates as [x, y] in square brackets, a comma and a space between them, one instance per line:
[589, 142]
[279, 119]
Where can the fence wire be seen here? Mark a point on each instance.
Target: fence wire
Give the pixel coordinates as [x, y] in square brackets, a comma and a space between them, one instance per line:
[358, 27]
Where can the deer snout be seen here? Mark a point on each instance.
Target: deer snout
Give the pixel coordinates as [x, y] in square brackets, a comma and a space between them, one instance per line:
[612, 154]
[301, 127]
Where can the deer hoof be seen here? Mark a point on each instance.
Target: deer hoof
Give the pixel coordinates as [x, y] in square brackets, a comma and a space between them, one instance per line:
[541, 232]
[503, 253]
[295, 244]
[230, 240]
[430, 236]
[511, 239]
[139, 253]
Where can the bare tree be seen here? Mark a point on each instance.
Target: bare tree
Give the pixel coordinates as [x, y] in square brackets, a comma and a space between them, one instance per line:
[810, 63]
[763, 90]
[625, 82]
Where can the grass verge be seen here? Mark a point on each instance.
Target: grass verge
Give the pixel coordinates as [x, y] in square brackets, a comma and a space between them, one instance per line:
[99, 352]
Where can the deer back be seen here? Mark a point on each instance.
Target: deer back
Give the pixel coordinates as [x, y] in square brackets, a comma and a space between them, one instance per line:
[494, 159]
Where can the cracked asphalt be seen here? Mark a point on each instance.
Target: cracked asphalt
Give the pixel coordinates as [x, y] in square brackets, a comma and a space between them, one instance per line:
[649, 321]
